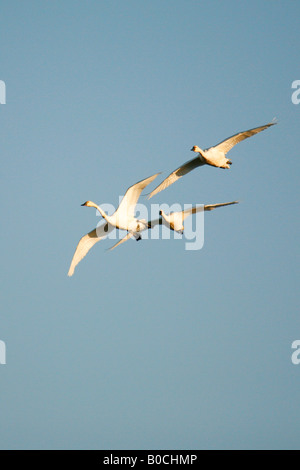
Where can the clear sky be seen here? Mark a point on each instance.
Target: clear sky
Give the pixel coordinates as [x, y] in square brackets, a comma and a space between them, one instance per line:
[150, 346]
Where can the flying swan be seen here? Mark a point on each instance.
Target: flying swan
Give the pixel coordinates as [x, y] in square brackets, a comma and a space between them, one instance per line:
[175, 220]
[123, 218]
[214, 156]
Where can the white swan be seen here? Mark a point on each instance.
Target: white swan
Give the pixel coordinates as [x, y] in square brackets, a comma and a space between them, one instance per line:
[175, 220]
[123, 218]
[214, 156]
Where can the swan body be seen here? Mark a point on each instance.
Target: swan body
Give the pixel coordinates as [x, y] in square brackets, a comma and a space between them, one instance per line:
[123, 218]
[213, 156]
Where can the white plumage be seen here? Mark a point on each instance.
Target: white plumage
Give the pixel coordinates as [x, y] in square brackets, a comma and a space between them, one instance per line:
[213, 156]
[175, 220]
[123, 218]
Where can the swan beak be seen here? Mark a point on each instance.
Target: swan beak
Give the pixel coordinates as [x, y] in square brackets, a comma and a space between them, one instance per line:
[84, 204]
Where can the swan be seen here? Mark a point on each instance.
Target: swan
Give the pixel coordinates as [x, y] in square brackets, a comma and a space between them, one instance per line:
[213, 156]
[123, 218]
[175, 220]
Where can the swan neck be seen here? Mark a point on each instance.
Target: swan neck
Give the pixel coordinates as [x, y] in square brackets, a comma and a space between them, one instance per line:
[163, 215]
[102, 213]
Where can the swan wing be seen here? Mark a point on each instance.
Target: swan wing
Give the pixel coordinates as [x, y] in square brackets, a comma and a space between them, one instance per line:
[208, 207]
[176, 174]
[211, 207]
[127, 207]
[192, 210]
[230, 142]
[129, 235]
[87, 242]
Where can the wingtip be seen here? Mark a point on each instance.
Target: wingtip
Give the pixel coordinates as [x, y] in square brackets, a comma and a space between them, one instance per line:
[150, 195]
[71, 270]
[233, 202]
[111, 248]
[156, 175]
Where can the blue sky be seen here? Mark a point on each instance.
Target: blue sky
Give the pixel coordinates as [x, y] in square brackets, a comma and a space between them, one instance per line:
[150, 346]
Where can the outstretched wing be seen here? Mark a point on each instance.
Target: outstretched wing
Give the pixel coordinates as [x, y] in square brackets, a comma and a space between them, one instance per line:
[129, 235]
[176, 174]
[87, 242]
[209, 207]
[129, 201]
[230, 142]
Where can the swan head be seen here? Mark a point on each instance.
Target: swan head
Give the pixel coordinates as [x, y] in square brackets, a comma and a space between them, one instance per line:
[88, 204]
[92, 204]
[164, 216]
[196, 149]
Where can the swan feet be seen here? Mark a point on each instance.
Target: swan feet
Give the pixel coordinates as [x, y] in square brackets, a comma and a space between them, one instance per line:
[227, 164]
